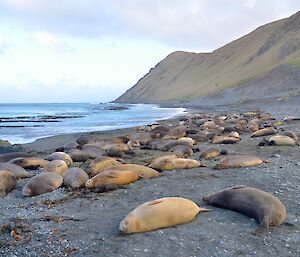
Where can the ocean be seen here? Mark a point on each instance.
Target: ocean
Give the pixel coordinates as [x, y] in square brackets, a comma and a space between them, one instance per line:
[24, 123]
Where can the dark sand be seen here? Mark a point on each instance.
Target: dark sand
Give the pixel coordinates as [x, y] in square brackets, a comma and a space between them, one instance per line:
[91, 220]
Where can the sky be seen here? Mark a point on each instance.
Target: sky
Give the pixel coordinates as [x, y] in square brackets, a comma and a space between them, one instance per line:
[94, 50]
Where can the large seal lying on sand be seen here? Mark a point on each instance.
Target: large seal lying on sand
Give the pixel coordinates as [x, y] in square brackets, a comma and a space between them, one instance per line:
[257, 204]
[9, 156]
[16, 170]
[102, 163]
[57, 166]
[160, 213]
[60, 156]
[239, 161]
[42, 183]
[172, 162]
[75, 178]
[140, 170]
[30, 163]
[7, 182]
[118, 177]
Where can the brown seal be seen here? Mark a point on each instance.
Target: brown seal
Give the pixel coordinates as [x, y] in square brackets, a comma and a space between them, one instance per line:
[181, 151]
[212, 152]
[60, 156]
[172, 162]
[78, 155]
[16, 170]
[118, 177]
[225, 140]
[239, 161]
[9, 156]
[102, 163]
[140, 170]
[31, 163]
[7, 182]
[75, 178]
[281, 140]
[264, 132]
[57, 166]
[160, 213]
[42, 183]
[255, 203]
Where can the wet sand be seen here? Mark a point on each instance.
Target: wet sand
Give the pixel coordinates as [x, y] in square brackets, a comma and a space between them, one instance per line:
[85, 223]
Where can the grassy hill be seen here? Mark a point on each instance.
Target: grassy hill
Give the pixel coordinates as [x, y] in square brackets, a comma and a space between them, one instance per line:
[184, 76]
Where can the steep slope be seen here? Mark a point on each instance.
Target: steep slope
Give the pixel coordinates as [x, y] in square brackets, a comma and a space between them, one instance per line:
[185, 76]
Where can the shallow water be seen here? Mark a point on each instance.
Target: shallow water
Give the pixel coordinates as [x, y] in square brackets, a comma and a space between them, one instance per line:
[24, 123]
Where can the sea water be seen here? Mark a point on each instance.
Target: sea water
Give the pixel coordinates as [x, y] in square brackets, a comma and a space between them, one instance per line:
[24, 123]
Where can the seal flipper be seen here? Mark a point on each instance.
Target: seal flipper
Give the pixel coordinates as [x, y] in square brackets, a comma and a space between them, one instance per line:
[263, 228]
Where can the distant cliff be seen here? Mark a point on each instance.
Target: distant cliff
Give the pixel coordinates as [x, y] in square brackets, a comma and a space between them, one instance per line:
[184, 76]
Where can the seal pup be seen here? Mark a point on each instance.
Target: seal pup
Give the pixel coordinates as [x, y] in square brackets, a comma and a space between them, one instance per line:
[7, 182]
[160, 213]
[75, 178]
[266, 209]
[239, 161]
[42, 183]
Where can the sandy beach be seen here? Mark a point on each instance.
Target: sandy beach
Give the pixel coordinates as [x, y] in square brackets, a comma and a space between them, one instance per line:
[85, 223]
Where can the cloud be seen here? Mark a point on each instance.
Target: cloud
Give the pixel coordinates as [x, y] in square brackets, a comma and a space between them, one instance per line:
[197, 24]
[3, 45]
[47, 39]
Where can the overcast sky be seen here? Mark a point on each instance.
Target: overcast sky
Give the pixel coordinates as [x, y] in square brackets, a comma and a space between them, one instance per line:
[94, 50]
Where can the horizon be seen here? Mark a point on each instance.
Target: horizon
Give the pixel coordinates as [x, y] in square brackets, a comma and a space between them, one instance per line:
[93, 51]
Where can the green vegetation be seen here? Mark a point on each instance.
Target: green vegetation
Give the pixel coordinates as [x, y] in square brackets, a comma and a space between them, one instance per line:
[294, 63]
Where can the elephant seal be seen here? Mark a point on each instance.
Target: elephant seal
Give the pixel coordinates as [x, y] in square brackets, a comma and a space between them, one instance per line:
[78, 155]
[239, 161]
[262, 206]
[7, 182]
[75, 178]
[31, 163]
[172, 162]
[188, 140]
[291, 134]
[42, 183]
[102, 163]
[181, 151]
[9, 156]
[57, 166]
[212, 152]
[118, 177]
[133, 143]
[60, 156]
[264, 132]
[140, 170]
[92, 151]
[16, 170]
[160, 213]
[282, 141]
[225, 140]
[115, 152]
[70, 145]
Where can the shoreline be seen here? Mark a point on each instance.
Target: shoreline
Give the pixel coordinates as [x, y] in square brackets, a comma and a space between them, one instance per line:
[90, 220]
